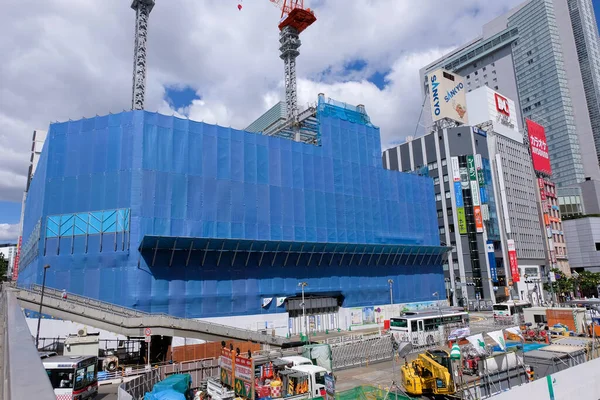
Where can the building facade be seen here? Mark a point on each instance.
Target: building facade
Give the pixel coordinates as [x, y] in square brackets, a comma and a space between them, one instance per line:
[583, 243]
[585, 31]
[530, 55]
[458, 161]
[9, 251]
[195, 220]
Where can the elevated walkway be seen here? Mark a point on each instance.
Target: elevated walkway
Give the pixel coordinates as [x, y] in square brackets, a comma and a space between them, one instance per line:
[130, 322]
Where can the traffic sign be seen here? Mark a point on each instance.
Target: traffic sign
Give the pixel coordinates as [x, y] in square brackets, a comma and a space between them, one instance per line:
[148, 332]
[147, 339]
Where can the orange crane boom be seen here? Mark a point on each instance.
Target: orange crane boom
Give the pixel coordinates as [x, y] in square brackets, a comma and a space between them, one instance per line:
[294, 14]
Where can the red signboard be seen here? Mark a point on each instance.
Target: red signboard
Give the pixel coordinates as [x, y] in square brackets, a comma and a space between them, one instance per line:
[478, 218]
[502, 105]
[512, 259]
[539, 148]
[15, 271]
[541, 183]
[542, 195]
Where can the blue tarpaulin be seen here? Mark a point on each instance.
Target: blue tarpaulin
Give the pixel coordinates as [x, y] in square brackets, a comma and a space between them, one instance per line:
[105, 184]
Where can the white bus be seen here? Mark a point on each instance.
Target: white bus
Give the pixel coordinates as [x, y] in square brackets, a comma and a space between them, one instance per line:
[509, 308]
[72, 377]
[430, 327]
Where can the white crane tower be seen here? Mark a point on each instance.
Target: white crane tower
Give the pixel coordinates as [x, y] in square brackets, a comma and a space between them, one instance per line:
[142, 13]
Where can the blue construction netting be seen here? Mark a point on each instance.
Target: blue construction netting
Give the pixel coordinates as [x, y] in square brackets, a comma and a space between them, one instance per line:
[180, 178]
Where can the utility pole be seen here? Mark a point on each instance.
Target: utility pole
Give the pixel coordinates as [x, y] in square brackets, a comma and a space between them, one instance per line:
[391, 283]
[302, 285]
[142, 13]
[37, 335]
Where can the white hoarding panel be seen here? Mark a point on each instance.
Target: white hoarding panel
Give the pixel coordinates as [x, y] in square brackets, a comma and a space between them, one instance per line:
[486, 104]
[447, 96]
[455, 169]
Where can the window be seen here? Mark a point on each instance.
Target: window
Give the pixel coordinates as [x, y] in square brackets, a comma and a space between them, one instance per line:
[468, 76]
[436, 180]
[440, 214]
[539, 319]
[448, 194]
[496, 87]
[483, 68]
[398, 323]
[444, 162]
[61, 378]
[597, 246]
[438, 197]
[445, 178]
[475, 72]
[442, 230]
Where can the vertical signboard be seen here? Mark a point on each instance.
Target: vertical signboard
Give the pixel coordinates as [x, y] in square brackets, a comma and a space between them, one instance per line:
[489, 247]
[447, 96]
[244, 377]
[15, 271]
[539, 147]
[512, 259]
[226, 364]
[472, 169]
[462, 221]
[458, 196]
[478, 218]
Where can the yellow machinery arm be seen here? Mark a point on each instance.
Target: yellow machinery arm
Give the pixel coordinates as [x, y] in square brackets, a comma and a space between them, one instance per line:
[428, 374]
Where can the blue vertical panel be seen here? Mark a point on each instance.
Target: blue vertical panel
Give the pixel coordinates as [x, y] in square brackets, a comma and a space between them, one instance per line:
[223, 157]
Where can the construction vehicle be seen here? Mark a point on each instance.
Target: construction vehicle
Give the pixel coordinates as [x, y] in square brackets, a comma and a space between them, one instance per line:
[429, 374]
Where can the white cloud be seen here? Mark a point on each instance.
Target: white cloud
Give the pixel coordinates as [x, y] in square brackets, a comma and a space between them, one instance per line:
[72, 58]
[9, 232]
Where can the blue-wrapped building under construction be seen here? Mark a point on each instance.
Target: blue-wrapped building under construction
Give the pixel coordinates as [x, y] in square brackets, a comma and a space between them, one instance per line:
[195, 220]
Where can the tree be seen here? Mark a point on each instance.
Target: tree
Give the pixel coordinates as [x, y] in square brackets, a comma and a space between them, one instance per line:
[3, 268]
[587, 282]
[563, 284]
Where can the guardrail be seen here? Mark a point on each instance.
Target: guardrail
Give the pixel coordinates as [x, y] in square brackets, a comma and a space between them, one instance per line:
[23, 373]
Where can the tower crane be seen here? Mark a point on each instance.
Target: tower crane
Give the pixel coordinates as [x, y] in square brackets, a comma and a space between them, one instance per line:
[294, 20]
[142, 13]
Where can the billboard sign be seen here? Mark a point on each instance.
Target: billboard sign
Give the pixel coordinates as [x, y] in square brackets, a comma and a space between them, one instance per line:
[462, 220]
[447, 96]
[502, 105]
[455, 169]
[512, 259]
[478, 219]
[244, 377]
[489, 247]
[15, 271]
[539, 148]
[475, 193]
[471, 168]
[458, 195]
[479, 166]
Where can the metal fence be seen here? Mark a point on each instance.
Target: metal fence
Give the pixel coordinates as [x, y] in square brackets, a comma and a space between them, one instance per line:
[200, 371]
[353, 351]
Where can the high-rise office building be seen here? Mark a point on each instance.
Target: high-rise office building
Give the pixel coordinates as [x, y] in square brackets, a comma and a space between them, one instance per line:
[585, 31]
[530, 54]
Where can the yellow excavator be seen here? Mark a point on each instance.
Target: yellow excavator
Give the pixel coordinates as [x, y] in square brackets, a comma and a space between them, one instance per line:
[429, 374]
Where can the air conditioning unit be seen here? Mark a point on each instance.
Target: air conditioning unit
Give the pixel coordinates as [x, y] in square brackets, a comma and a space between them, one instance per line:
[82, 332]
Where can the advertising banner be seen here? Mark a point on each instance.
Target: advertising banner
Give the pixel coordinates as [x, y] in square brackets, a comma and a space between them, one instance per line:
[244, 377]
[471, 168]
[447, 96]
[455, 169]
[459, 333]
[512, 259]
[475, 193]
[479, 166]
[542, 195]
[478, 219]
[226, 364]
[483, 195]
[485, 212]
[464, 177]
[478, 343]
[458, 194]
[489, 248]
[462, 220]
[15, 271]
[541, 183]
[539, 147]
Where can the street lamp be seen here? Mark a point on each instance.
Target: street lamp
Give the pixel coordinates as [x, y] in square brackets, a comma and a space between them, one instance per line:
[437, 295]
[302, 286]
[391, 283]
[37, 335]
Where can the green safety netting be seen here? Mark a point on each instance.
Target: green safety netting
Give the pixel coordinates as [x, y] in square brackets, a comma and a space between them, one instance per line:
[366, 392]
